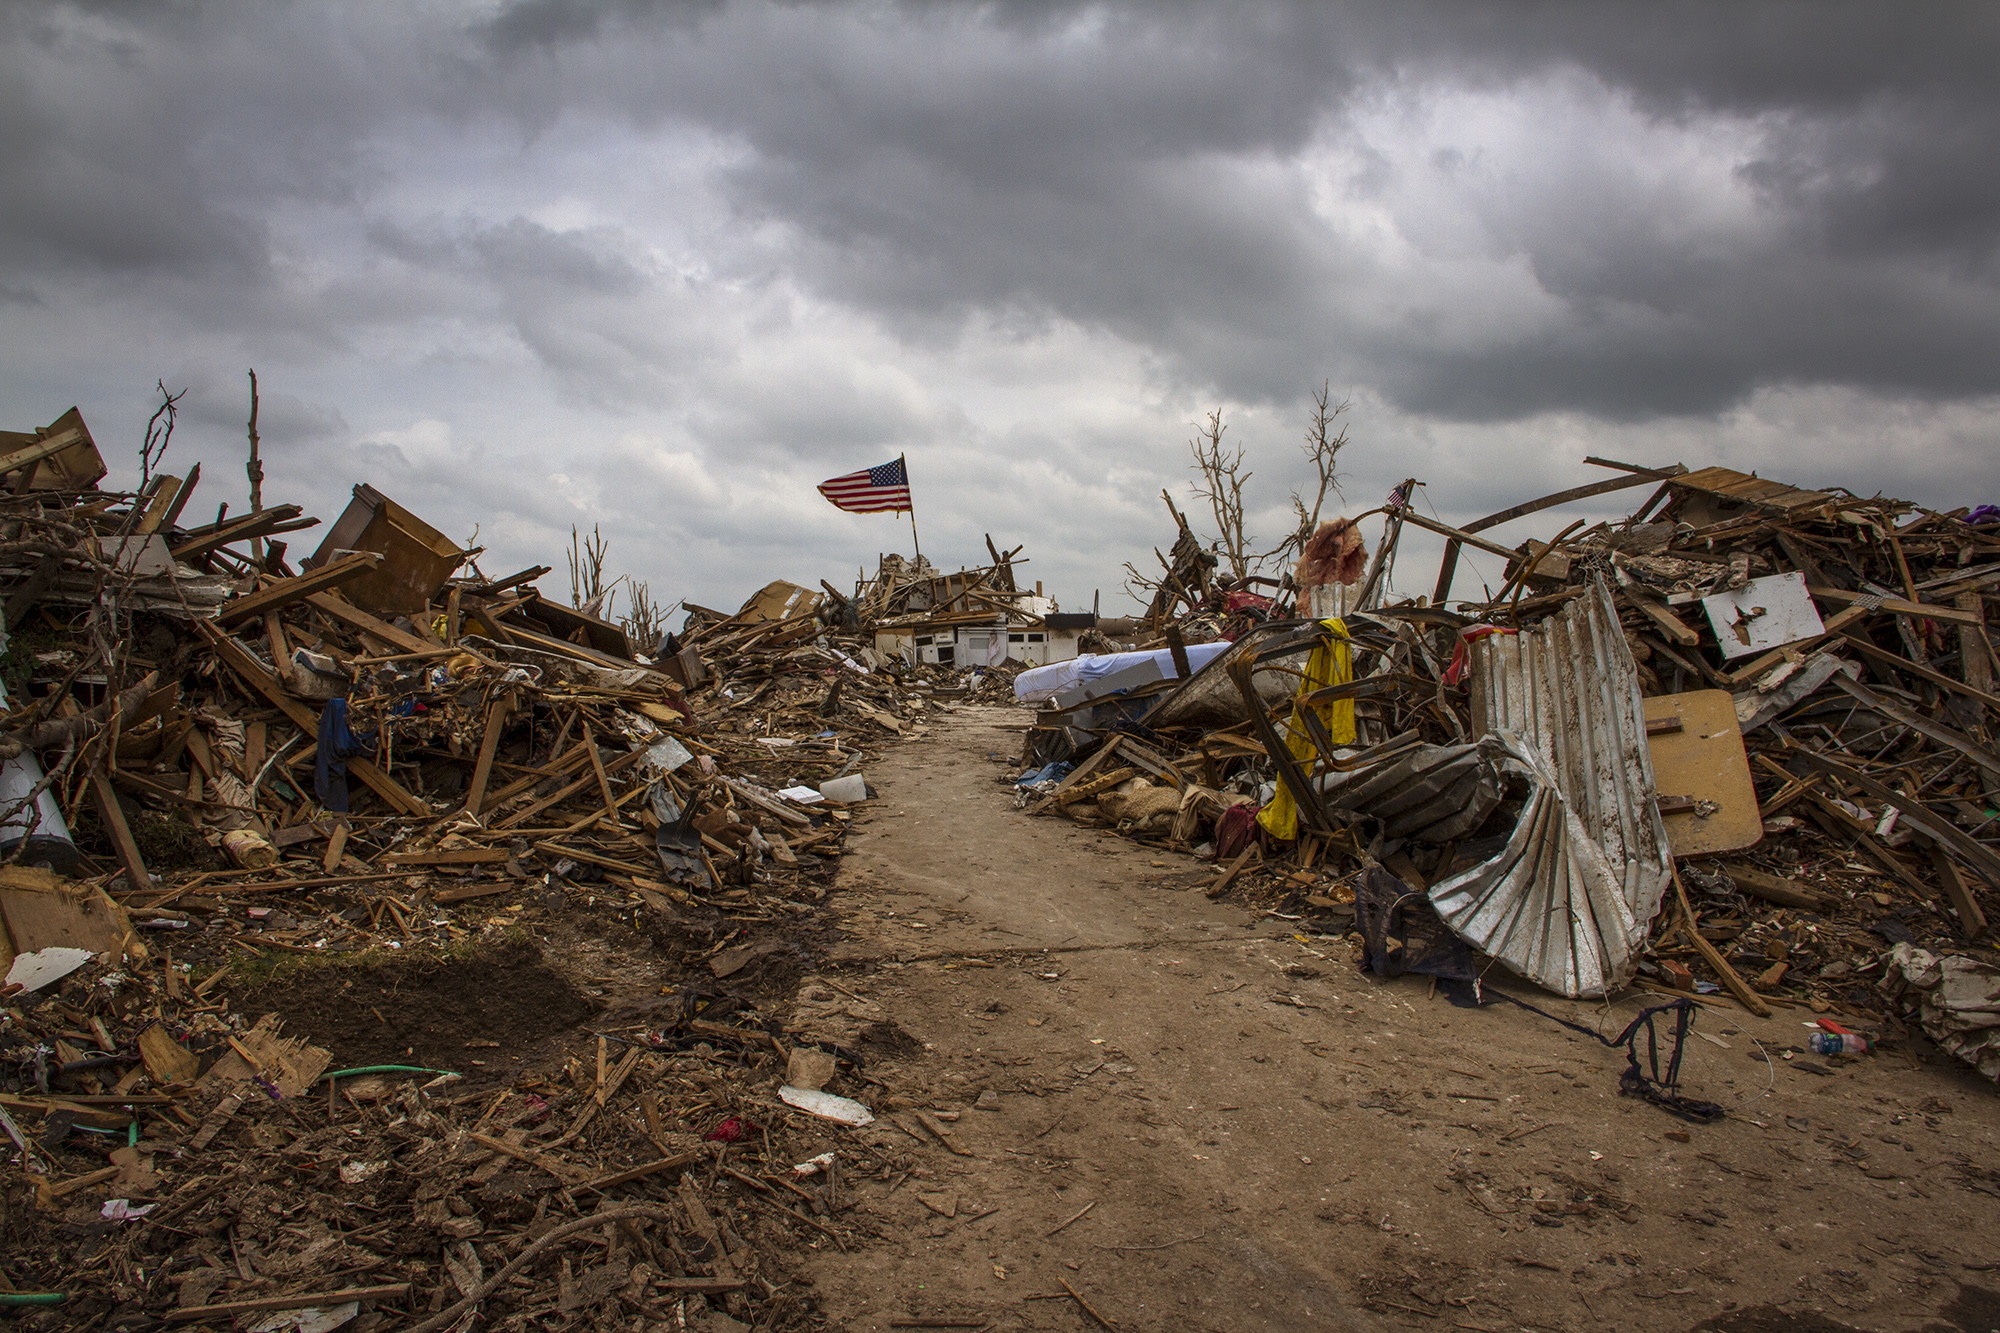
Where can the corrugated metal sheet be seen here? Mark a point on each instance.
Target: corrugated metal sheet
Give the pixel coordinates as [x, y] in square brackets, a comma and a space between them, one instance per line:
[1433, 793]
[1568, 902]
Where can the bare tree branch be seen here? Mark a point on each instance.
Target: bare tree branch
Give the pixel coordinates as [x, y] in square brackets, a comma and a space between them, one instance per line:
[1322, 447]
[587, 590]
[1222, 482]
[158, 433]
[646, 623]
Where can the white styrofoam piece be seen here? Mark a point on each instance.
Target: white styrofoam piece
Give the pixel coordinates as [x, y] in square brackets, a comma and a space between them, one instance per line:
[36, 970]
[827, 1106]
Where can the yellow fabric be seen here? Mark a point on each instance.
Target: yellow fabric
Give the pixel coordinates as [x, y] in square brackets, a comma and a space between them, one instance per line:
[1332, 663]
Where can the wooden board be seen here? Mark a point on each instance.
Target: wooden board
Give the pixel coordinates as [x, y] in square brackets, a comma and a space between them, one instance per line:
[42, 912]
[1705, 760]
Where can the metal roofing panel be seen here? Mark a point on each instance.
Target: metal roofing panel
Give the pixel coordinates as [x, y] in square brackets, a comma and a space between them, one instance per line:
[1434, 793]
[1567, 903]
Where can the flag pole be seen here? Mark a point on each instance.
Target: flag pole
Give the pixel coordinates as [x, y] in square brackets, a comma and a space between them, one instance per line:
[917, 549]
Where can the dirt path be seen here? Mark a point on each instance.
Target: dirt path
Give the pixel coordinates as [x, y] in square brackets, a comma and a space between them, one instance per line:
[1201, 1120]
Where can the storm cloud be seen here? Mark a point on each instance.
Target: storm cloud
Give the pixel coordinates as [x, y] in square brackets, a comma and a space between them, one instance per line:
[663, 267]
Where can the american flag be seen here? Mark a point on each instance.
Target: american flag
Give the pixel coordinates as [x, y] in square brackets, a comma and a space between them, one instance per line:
[875, 490]
[1397, 499]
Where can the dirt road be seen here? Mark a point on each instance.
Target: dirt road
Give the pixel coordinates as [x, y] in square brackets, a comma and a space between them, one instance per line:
[1199, 1119]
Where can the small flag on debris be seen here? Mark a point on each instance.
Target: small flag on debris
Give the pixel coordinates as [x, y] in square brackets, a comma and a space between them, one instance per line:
[875, 490]
[1396, 499]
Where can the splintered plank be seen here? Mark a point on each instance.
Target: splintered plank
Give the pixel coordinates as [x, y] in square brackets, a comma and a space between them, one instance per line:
[1902, 606]
[41, 450]
[1228, 877]
[1081, 773]
[1103, 782]
[1738, 987]
[457, 856]
[1668, 623]
[498, 710]
[354, 617]
[597, 767]
[287, 591]
[253, 673]
[236, 530]
[336, 846]
[618, 765]
[113, 817]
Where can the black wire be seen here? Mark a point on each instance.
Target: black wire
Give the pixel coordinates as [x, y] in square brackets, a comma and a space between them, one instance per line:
[1647, 1083]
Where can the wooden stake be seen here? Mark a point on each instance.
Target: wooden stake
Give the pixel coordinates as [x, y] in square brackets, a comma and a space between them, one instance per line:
[120, 833]
[489, 745]
[1746, 997]
[1222, 883]
[1078, 1296]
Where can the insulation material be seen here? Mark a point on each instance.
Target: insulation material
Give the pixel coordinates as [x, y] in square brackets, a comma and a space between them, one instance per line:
[1957, 999]
[1567, 902]
[1336, 553]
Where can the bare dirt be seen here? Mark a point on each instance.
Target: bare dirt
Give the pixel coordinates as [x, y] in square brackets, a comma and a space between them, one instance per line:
[1208, 1119]
[426, 1010]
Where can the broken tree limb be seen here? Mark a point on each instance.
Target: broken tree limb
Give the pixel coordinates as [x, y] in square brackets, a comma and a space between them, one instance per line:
[387, 1292]
[65, 730]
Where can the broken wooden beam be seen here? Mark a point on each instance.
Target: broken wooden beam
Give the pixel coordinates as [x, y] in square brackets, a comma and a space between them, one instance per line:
[208, 539]
[240, 660]
[112, 815]
[354, 617]
[1737, 986]
[1772, 889]
[285, 592]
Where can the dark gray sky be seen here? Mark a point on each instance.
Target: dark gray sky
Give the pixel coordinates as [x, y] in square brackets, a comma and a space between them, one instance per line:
[666, 266]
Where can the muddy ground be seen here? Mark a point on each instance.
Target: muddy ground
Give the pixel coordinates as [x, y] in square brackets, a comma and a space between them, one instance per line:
[1199, 1118]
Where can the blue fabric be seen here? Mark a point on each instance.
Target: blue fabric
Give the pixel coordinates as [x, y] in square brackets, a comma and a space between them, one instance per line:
[337, 744]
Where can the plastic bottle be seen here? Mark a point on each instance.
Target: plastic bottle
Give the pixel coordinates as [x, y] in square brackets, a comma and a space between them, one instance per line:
[1834, 1043]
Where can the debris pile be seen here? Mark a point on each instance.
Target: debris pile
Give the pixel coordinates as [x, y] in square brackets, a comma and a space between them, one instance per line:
[221, 760]
[206, 1170]
[1739, 741]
